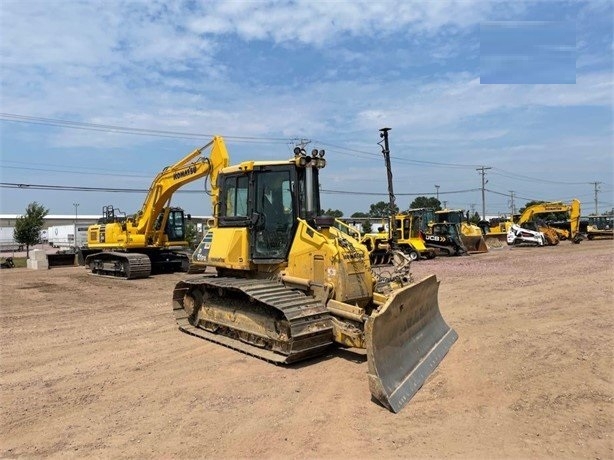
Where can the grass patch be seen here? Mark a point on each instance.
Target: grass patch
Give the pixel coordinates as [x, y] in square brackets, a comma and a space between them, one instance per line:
[20, 262]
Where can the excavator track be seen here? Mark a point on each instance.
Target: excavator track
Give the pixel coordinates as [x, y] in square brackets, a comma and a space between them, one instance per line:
[262, 318]
[126, 265]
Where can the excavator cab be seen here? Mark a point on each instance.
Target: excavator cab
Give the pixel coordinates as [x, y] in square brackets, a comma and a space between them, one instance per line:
[175, 225]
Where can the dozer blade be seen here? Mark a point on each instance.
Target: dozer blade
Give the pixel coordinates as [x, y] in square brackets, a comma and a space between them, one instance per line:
[406, 339]
[474, 244]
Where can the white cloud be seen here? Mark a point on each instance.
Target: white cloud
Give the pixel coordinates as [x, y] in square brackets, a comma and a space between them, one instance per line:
[168, 66]
[317, 23]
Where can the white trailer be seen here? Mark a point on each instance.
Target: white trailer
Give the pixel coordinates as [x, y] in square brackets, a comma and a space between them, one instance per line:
[63, 236]
[7, 240]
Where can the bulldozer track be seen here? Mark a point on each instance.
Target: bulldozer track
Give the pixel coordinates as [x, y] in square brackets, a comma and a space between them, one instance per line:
[307, 323]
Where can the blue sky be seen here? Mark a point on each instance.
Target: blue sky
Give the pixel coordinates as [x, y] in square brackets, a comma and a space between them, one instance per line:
[444, 75]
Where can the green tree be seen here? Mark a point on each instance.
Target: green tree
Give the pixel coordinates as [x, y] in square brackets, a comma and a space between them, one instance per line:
[426, 202]
[381, 209]
[529, 203]
[367, 226]
[475, 219]
[548, 217]
[360, 214]
[28, 226]
[333, 212]
[191, 235]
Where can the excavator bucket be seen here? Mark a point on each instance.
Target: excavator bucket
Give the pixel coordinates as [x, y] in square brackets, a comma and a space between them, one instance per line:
[474, 244]
[406, 339]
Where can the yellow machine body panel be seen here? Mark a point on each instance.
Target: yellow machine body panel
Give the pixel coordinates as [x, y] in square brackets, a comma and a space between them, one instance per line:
[317, 256]
[229, 248]
[408, 232]
[122, 236]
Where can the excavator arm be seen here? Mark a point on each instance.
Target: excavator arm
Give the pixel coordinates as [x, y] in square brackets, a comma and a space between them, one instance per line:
[190, 168]
[574, 219]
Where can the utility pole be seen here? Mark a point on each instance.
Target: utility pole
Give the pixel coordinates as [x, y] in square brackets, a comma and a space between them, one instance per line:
[482, 171]
[596, 184]
[392, 225]
[437, 191]
[512, 203]
[76, 205]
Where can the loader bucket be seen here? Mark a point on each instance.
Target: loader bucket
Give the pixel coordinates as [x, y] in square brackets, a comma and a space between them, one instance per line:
[405, 340]
[474, 244]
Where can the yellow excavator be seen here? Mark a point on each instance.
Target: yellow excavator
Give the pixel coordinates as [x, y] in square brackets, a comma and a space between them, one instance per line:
[153, 239]
[530, 219]
[286, 283]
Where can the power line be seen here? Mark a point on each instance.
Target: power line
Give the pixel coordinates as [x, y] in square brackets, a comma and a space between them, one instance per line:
[76, 188]
[75, 172]
[348, 192]
[69, 188]
[511, 175]
[125, 130]
[351, 151]
[11, 117]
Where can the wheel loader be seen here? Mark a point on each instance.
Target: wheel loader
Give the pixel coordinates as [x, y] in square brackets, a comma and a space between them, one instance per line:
[495, 231]
[287, 283]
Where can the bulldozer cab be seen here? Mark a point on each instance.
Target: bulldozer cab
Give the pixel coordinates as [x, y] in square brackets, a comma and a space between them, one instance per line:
[274, 208]
[268, 200]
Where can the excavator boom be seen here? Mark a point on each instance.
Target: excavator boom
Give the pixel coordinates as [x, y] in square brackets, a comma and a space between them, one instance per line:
[190, 168]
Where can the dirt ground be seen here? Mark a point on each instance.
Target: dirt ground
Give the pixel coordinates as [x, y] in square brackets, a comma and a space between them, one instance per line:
[97, 367]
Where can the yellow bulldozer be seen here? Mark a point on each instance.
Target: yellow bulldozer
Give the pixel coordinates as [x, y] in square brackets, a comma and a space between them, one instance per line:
[600, 227]
[284, 283]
